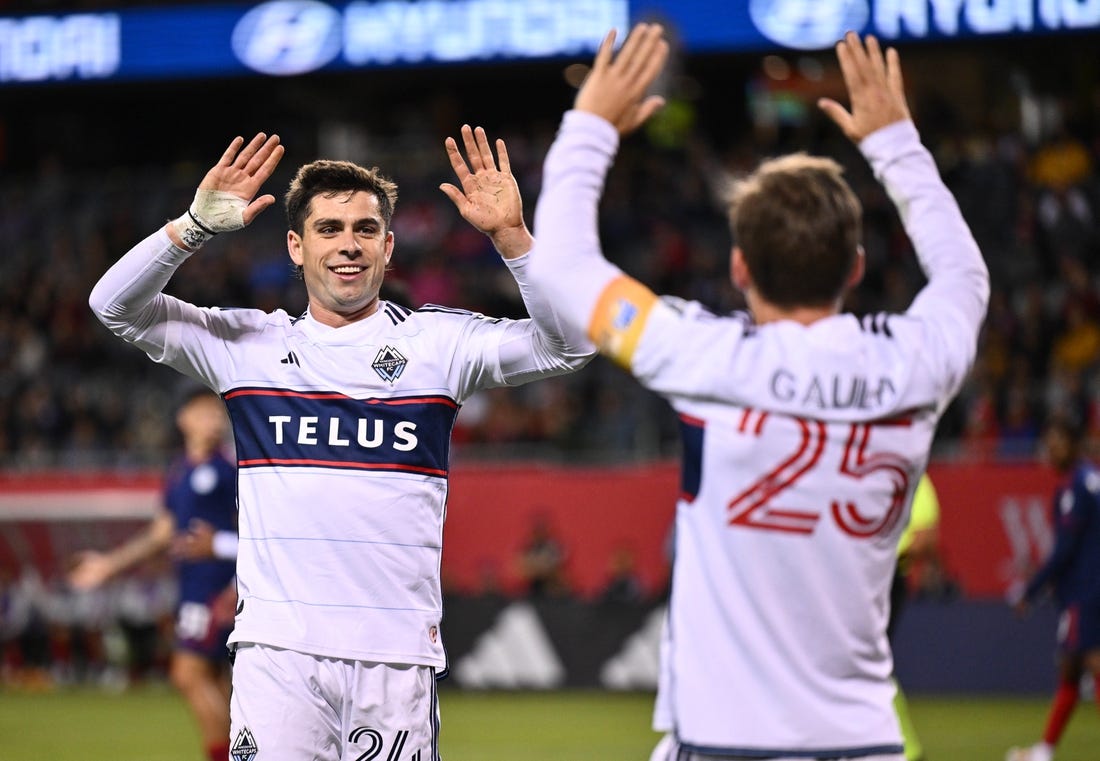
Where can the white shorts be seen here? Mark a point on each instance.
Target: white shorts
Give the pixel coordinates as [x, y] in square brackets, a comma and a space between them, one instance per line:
[291, 706]
[669, 750]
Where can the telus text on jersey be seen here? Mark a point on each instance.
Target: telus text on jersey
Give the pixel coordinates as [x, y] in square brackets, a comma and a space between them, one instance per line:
[369, 433]
[832, 391]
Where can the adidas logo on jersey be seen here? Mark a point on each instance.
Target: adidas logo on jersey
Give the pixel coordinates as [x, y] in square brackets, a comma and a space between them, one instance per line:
[290, 359]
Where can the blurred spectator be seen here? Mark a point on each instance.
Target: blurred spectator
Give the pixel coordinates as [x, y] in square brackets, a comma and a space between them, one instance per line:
[1077, 349]
[623, 585]
[77, 620]
[24, 636]
[542, 561]
[145, 612]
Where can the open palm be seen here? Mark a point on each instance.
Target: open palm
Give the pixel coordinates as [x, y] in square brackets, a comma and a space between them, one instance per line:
[489, 198]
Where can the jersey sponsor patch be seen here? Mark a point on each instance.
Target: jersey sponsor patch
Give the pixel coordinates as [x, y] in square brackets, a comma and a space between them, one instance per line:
[621, 313]
[279, 427]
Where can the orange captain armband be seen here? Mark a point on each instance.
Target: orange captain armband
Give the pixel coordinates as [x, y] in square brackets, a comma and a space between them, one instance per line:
[621, 314]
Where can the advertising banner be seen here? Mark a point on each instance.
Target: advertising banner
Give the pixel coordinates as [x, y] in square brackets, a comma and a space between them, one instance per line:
[292, 37]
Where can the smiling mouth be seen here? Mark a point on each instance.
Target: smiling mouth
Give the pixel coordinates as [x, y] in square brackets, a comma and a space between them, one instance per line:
[348, 269]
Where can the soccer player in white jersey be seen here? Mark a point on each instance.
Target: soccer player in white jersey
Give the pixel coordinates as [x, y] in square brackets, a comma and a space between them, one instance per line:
[342, 419]
[805, 430]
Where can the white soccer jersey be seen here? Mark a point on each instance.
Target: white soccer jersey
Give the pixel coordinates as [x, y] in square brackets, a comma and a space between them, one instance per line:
[342, 441]
[802, 448]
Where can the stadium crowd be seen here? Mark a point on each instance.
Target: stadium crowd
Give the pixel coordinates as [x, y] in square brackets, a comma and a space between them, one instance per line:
[72, 397]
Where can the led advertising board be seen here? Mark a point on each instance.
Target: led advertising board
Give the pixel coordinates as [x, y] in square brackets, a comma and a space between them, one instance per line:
[289, 37]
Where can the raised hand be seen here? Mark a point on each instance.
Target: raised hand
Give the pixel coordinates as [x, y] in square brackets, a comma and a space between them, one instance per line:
[874, 84]
[489, 197]
[615, 88]
[225, 198]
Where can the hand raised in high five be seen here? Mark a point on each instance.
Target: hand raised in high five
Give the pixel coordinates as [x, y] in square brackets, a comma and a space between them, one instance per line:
[238, 175]
[874, 84]
[225, 198]
[489, 198]
[615, 88]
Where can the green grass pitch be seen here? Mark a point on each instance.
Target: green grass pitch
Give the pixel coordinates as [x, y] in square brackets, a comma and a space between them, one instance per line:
[151, 724]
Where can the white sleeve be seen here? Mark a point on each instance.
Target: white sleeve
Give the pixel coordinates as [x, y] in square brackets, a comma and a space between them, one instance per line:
[568, 266]
[487, 352]
[128, 299]
[547, 341]
[953, 303]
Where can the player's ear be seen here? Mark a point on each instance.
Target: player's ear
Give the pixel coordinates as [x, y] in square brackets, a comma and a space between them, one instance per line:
[294, 247]
[389, 245]
[855, 277]
[739, 270]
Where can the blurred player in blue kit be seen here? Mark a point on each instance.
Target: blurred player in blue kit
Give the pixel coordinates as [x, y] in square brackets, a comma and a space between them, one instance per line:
[1072, 573]
[805, 430]
[342, 419]
[198, 520]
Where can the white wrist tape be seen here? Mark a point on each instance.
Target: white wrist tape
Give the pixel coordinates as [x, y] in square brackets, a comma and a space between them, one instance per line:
[218, 211]
[191, 232]
[212, 212]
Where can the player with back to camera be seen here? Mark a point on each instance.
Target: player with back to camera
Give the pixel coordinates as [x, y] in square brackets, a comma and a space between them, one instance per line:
[805, 430]
[1072, 573]
[342, 419]
[199, 496]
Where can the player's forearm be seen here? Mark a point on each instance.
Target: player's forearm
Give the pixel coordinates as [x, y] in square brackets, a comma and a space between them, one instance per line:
[128, 299]
[941, 238]
[142, 547]
[513, 242]
[1038, 582]
[525, 354]
[561, 337]
[568, 268]
[1066, 543]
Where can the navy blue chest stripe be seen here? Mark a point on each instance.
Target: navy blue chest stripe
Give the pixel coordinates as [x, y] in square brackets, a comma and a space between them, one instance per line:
[278, 427]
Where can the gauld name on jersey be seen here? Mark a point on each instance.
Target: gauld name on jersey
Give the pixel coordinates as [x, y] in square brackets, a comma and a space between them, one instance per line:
[836, 391]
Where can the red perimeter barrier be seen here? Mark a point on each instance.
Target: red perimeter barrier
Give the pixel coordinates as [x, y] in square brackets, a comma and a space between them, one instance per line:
[995, 522]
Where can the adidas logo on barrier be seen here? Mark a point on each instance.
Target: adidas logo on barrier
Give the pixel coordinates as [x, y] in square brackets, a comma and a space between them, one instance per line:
[515, 652]
[636, 665]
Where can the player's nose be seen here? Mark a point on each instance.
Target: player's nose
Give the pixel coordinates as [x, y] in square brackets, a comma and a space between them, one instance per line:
[349, 245]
